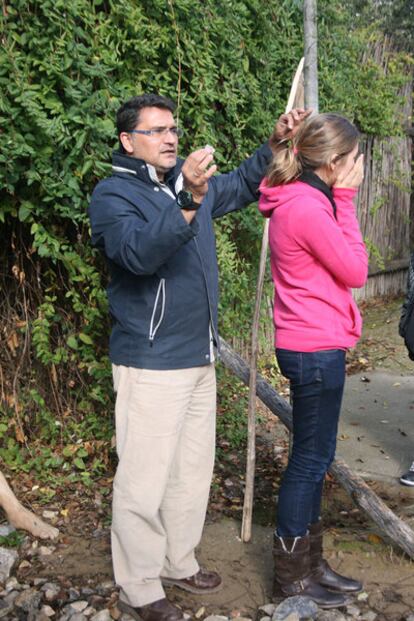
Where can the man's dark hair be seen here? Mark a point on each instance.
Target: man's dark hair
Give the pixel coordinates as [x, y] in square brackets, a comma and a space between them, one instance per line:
[128, 114]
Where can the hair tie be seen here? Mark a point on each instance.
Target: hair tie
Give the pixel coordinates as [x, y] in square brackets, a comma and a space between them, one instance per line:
[295, 150]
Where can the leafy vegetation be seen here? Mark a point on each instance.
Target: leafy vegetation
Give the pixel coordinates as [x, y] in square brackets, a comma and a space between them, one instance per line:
[65, 68]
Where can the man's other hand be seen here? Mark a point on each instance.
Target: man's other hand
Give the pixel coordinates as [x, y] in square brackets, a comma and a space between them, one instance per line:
[288, 125]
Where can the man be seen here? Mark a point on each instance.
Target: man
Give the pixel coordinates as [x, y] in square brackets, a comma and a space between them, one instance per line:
[153, 220]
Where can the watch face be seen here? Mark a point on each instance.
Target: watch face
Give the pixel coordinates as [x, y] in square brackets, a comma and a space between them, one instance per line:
[185, 200]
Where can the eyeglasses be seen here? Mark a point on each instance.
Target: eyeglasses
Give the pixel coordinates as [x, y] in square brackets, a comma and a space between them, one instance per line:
[158, 132]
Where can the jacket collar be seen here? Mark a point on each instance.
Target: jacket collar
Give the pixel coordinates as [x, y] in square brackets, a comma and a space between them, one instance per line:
[122, 163]
[312, 179]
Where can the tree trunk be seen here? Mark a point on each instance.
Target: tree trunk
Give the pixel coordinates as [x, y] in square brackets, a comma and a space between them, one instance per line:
[390, 524]
[311, 54]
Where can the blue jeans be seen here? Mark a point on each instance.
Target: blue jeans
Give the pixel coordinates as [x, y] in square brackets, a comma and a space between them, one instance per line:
[316, 382]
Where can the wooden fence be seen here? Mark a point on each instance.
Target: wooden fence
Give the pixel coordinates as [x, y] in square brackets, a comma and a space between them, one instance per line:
[385, 196]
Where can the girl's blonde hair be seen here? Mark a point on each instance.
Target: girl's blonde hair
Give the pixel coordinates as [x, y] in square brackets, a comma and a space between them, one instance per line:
[321, 137]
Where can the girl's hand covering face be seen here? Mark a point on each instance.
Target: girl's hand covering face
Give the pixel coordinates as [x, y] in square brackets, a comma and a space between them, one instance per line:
[351, 173]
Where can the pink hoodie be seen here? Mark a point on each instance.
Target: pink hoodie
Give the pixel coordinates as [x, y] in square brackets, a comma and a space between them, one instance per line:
[315, 259]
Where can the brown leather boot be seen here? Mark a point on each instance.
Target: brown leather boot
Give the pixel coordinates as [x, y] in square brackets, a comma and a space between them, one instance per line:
[293, 573]
[321, 570]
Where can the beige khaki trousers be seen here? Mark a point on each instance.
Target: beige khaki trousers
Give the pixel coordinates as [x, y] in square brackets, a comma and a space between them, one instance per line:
[165, 438]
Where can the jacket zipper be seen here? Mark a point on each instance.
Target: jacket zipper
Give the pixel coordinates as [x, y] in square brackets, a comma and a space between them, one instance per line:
[154, 329]
[213, 332]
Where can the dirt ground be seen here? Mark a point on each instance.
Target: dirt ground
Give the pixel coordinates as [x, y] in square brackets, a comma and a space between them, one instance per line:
[82, 554]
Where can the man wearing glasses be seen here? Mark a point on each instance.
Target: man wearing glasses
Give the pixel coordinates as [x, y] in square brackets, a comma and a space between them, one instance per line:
[153, 220]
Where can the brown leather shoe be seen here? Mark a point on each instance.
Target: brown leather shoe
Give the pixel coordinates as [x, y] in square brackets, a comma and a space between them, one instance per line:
[202, 582]
[161, 610]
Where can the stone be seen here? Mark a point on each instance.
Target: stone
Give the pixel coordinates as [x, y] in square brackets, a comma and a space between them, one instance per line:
[304, 608]
[362, 597]
[86, 591]
[73, 594]
[28, 600]
[330, 615]
[89, 611]
[12, 584]
[266, 619]
[353, 611]
[5, 609]
[102, 615]
[78, 616]
[6, 529]
[51, 591]
[216, 618]
[7, 560]
[40, 616]
[79, 606]
[47, 610]
[45, 550]
[10, 597]
[39, 581]
[370, 615]
[268, 609]
[50, 515]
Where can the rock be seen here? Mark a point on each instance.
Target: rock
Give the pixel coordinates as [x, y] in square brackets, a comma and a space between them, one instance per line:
[7, 560]
[51, 591]
[40, 616]
[216, 618]
[104, 587]
[50, 515]
[370, 615]
[79, 606]
[73, 594]
[410, 618]
[6, 529]
[303, 607]
[28, 600]
[330, 615]
[86, 591]
[89, 611]
[78, 616]
[24, 565]
[47, 611]
[5, 609]
[12, 584]
[39, 581]
[266, 619]
[353, 611]
[10, 597]
[362, 597]
[268, 609]
[45, 550]
[102, 615]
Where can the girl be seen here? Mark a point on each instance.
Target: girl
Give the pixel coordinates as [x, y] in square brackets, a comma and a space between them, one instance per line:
[317, 254]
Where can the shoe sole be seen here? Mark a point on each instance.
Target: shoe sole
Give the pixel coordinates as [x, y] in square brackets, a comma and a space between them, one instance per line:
[186, 587]
[129, 610]
[409, 483]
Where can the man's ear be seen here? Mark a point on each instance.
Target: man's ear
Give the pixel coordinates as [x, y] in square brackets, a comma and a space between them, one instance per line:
[125, 140]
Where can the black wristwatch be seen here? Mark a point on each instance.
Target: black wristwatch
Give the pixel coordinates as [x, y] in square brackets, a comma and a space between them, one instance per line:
[185, 201]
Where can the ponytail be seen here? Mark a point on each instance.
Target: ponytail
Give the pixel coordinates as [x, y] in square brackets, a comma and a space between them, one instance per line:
[285, 166]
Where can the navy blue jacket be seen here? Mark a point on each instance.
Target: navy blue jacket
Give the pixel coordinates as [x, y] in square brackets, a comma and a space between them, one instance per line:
[163, 290]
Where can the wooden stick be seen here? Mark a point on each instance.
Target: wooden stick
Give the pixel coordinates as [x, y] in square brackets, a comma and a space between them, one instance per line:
[394, 528]
[246, 530]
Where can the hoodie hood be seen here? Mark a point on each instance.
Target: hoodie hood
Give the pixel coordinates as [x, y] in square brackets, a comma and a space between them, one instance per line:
[272, 197]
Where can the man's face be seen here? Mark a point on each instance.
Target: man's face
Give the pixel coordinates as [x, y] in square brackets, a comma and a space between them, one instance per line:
[160, 150]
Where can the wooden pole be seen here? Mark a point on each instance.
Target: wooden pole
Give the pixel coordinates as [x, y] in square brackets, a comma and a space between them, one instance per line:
[246, 529]
[394, 528]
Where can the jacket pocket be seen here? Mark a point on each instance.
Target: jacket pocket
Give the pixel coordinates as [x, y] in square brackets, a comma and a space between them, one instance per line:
[158, 311]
